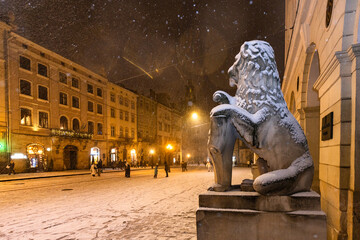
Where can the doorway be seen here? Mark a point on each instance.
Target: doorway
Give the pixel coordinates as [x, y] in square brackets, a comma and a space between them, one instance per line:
[70, 157]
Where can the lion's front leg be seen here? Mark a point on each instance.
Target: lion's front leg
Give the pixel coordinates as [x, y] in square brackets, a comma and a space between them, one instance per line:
[220, 148]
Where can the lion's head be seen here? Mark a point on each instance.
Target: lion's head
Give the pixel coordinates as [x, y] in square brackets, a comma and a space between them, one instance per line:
[256, 77]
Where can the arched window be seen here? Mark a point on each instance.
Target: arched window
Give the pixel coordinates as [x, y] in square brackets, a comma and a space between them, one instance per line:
[63, 123]
[76, 124]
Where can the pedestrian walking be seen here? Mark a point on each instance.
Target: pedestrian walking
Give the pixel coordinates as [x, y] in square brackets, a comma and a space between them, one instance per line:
[93, 169]
[127, 170]
[99, 167]
[166, 167]
[11, 167]
[156, 170]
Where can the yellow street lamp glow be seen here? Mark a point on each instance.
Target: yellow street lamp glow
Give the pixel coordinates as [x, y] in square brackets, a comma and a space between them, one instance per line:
[132, 151]
[194, 116]
[169, 147]
[151, 151]
[188, 155]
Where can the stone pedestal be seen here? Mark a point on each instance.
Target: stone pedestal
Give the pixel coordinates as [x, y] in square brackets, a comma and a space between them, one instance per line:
[251, 216]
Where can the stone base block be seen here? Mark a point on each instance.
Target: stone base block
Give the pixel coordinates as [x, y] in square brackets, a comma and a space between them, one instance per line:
[250, 216]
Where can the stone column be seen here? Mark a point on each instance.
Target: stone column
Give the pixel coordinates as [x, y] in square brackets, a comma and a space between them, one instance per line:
[353, 213]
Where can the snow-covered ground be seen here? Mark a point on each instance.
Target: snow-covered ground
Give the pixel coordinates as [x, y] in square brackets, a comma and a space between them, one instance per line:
[106, 207]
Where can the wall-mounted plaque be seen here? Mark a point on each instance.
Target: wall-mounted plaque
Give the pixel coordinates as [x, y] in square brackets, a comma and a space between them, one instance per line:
[327, 127]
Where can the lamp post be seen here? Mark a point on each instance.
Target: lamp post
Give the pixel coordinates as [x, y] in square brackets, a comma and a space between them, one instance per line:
[151, 152]
[169, 147]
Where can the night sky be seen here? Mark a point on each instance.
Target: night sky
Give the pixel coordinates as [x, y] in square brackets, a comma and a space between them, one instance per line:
[174, 41]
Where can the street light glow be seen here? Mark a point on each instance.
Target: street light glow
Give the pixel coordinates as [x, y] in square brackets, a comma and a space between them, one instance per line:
[188, 155]
[194, 116]
[169, 147]
[151, 151]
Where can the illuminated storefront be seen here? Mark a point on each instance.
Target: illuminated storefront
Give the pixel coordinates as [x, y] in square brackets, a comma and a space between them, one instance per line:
[113, 155]
[36, 155]
[94, 154]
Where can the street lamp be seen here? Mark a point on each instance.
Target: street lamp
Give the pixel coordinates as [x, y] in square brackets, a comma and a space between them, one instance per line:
[169, 147]
[151, 152]
[194, 116]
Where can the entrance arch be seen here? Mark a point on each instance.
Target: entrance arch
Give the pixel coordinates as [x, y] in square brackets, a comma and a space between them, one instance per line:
[70, 157]
[310, 109]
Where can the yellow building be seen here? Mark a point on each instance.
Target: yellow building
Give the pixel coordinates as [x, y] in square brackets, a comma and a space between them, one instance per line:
[121, 124]
[54, 108]
[321, 87]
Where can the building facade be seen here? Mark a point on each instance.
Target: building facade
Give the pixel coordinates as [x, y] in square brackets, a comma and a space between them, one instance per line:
[147, 128]
[121, 125]
[321, 87]
[49, 122]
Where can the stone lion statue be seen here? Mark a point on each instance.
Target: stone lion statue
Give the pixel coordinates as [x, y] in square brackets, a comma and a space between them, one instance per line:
[258, 115]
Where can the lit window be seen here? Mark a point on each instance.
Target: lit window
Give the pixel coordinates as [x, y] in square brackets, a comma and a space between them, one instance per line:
[25, 118]
[75, 102]
[42, 92]
[25, 87]
[63, 98]
[90, 127]
[42, 70]
[63, 123]
[75, 82]
[62, 77]
[25, 63]
[43, 119]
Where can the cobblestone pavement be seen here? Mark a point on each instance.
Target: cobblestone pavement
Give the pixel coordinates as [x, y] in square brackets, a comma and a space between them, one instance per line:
[106, 207]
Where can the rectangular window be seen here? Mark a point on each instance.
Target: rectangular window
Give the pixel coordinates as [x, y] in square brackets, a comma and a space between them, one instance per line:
[75, 82]
[43, 93]
[62, 77]
[121, 115]
[25, 63]
[90, 127]
[112, 112]
[132, 133]
[90, 88]
[112, 131]
[25, 118]
[132, 105]
[75, 102]
[126, 116]
[99, 92]
[43, 119]
[25, 87]
[42, 70]
[126, 101]
[121, 100]
[63, 98]
[133, 117]
[126, 132]
[112, 97]
[121, 132]
[90, 106]
[99, 109]
[99, 129]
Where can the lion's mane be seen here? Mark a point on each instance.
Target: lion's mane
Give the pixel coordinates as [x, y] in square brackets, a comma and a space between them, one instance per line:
[257, 79]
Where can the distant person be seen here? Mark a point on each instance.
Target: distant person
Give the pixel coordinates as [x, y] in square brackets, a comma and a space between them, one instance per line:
[127, 170]
[11, 167]
[209, 166]
[99, 167]
[93, 169]
[166, 168]
[156, 170]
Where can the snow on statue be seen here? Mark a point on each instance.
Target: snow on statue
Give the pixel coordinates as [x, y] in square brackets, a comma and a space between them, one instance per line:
[258, 115]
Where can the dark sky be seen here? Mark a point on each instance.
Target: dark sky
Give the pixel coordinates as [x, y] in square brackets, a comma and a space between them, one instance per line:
[174, 41]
